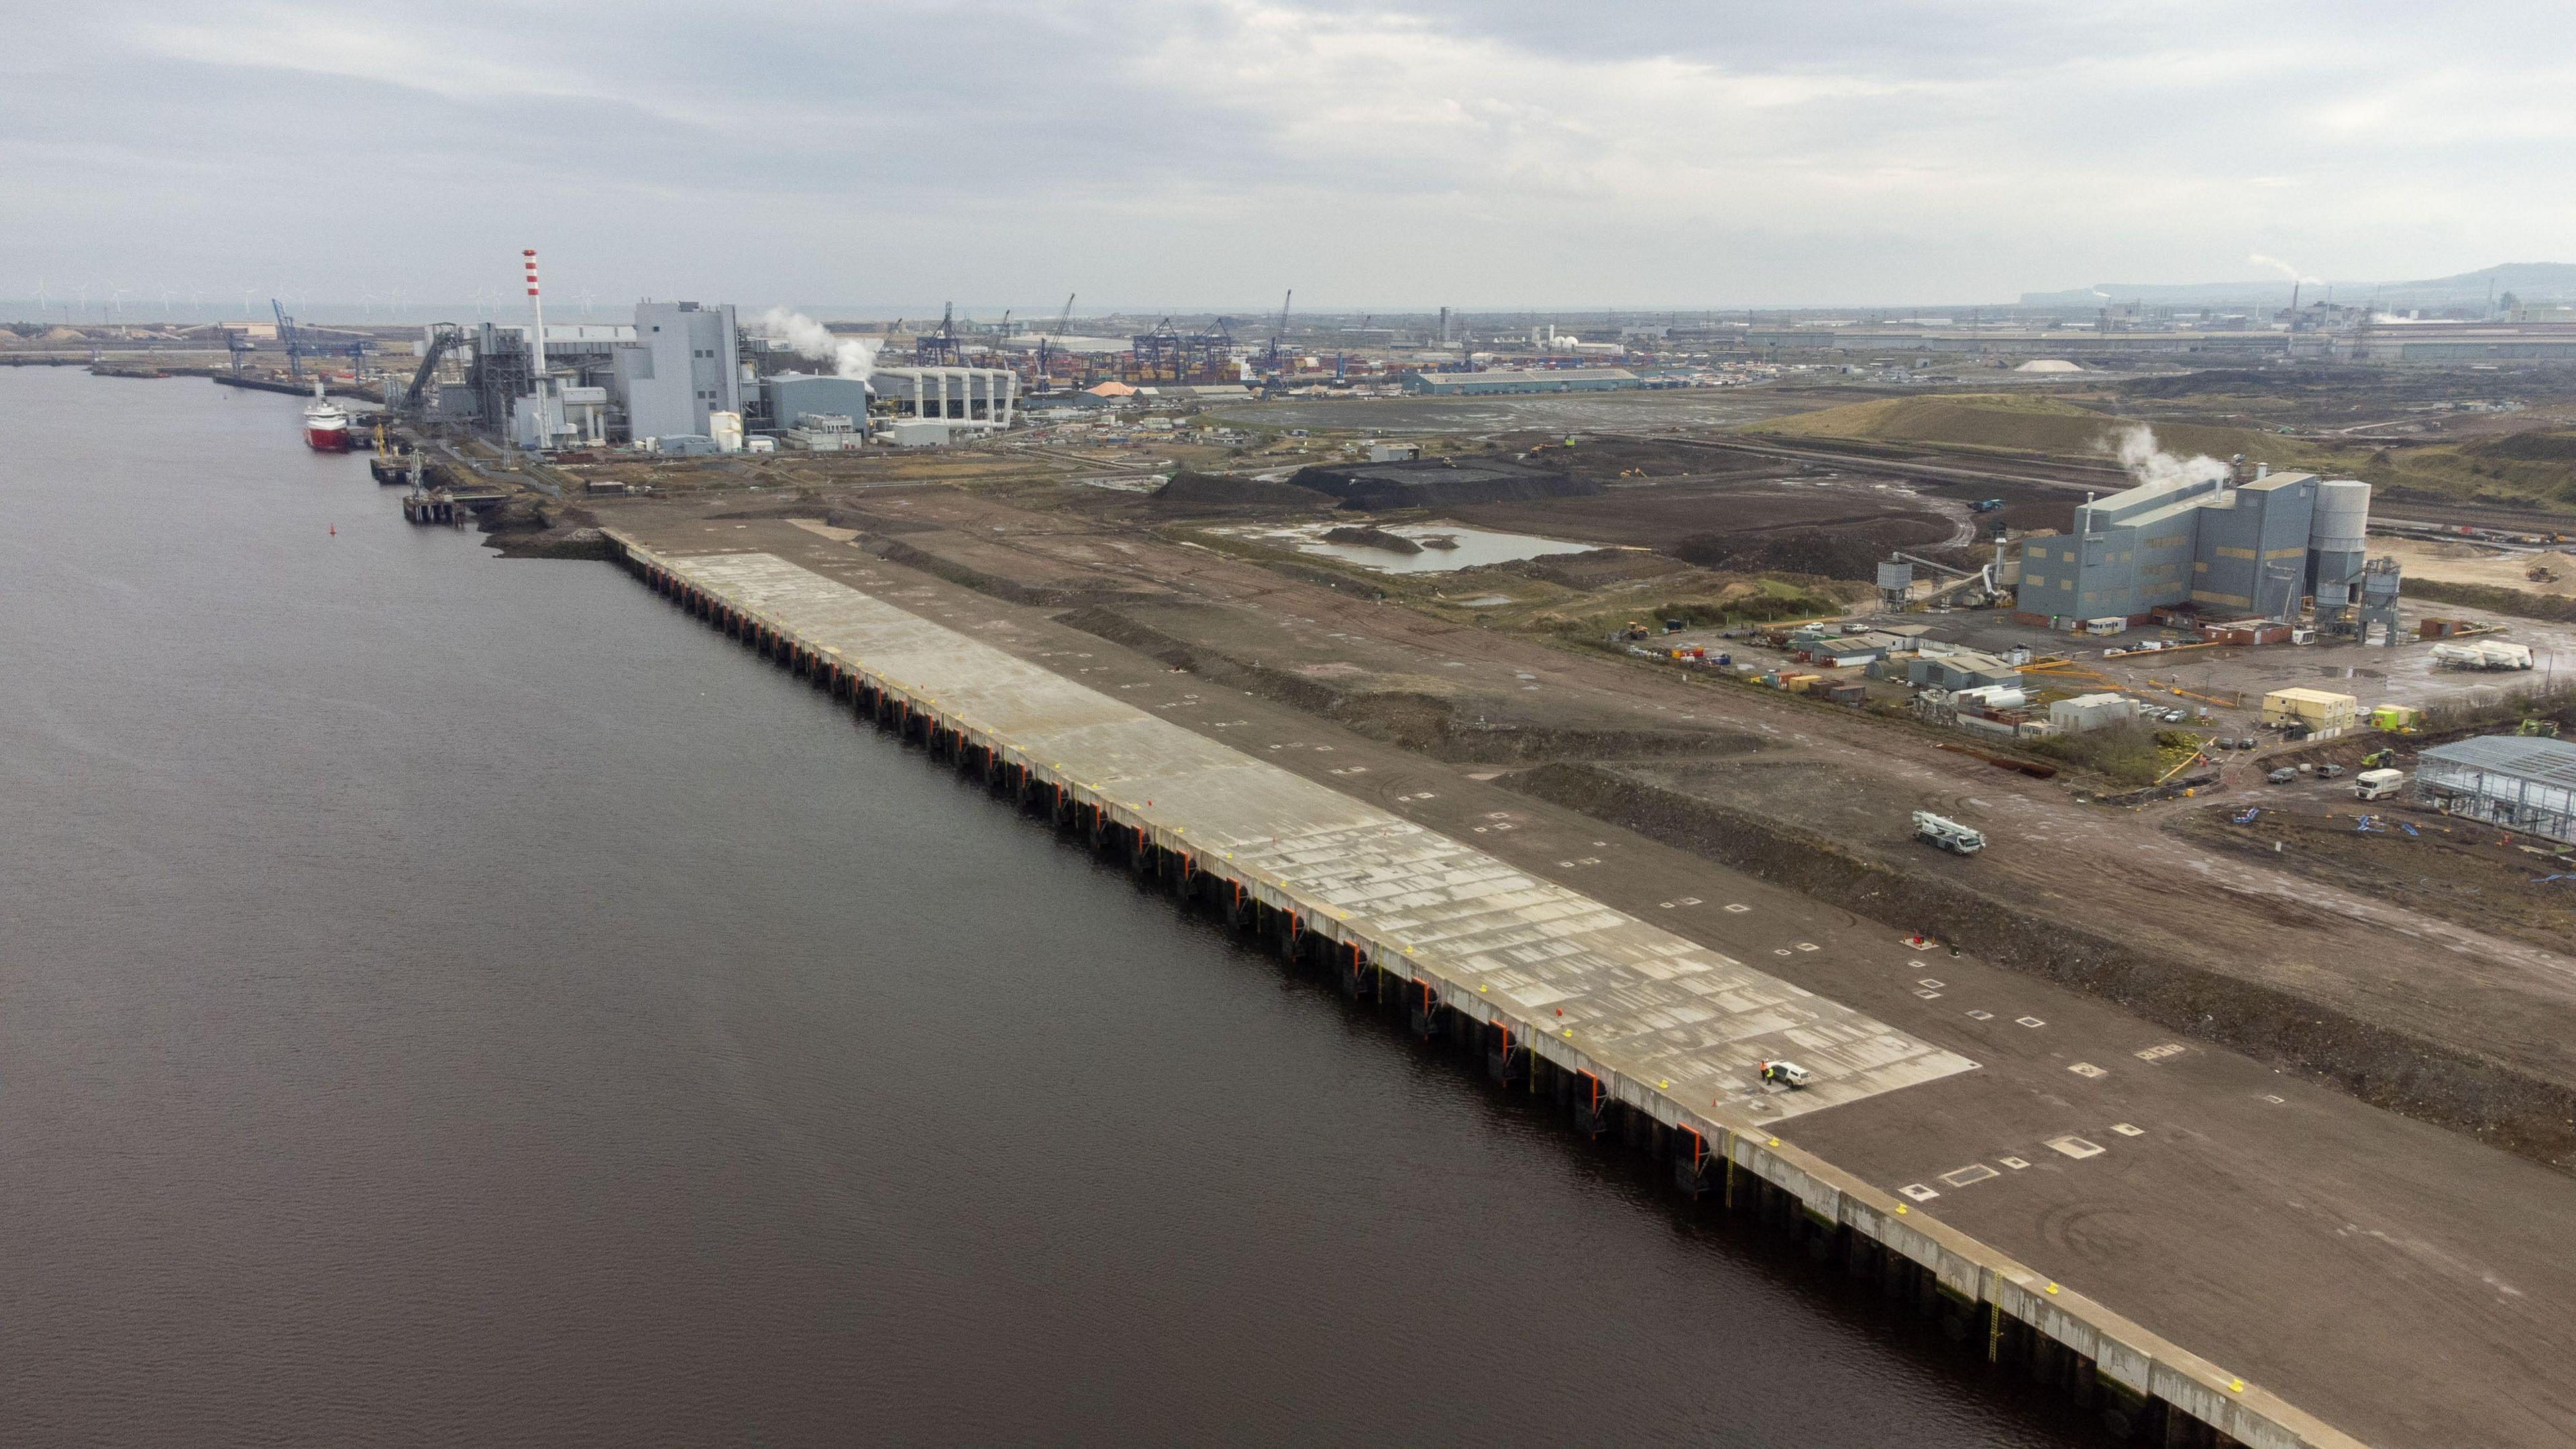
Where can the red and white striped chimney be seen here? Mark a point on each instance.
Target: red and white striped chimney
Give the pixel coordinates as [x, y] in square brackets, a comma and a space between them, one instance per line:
[537, 321]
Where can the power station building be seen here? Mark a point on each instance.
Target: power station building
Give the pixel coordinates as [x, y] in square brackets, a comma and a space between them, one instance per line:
[664, 376]
[2218, 547]
[934, 405]
[682, 367]
[794, 396]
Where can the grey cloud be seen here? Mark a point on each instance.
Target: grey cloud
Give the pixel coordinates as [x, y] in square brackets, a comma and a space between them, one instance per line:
[1474, 151]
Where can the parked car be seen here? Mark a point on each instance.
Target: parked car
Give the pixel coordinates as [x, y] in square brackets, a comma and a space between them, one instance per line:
[2328, 772]
[2282, 776]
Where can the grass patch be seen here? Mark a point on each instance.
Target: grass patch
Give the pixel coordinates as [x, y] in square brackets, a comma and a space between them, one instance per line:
[2521, 603]
[2504, 707]
[2130, 756]
[2025, 423]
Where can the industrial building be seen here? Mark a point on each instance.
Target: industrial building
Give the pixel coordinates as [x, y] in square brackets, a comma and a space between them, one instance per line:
[2092, 712]
[960, 400]
[683, 365]
[2209, 545]
[793, 396]
[1960, 669]
[1516, 380]
[2519, 782]
[670, 374]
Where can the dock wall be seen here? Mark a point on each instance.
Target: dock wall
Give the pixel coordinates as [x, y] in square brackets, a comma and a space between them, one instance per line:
[1381, 943]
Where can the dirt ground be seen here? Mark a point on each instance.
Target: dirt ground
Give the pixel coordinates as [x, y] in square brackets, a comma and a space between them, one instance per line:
[1465, 693]
[1697, 407]
[1804, 522]
[2466, 563]
[2211, 1183]
[2475, 875]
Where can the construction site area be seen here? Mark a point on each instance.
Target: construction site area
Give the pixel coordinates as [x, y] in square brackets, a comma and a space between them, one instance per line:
[2158, 1106]
[1628, 633]
[2142, 779]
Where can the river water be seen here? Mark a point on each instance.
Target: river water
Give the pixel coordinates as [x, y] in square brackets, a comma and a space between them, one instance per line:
[449, 999]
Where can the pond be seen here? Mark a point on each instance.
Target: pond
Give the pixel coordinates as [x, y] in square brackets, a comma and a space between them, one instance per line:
[1444, 548]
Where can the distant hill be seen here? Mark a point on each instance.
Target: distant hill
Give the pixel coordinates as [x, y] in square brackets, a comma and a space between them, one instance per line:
[2529, 281]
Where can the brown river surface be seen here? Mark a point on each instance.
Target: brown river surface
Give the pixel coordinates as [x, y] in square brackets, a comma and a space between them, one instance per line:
[446, 999]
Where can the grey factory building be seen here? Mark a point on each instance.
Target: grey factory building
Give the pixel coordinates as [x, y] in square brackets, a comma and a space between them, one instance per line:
[682, 366]
[2226, 549]
[792, 396]
[659, 377]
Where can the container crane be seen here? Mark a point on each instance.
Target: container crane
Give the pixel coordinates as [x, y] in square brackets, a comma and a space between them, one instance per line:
[1159, 349]
[940, 348]
[1047, 345]
[1278, 336]
[286, 339]
[299, 345]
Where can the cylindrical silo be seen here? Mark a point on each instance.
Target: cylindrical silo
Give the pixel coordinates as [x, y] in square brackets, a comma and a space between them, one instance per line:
[2337, 534]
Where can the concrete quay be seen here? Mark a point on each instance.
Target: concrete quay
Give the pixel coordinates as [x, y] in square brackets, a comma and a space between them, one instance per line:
[1656, 1034]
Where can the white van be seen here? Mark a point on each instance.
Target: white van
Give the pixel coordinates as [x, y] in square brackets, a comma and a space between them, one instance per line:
[1786, 1074]
[2378, 784]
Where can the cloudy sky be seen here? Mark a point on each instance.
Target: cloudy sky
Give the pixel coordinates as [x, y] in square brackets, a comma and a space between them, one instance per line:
[1211, 153]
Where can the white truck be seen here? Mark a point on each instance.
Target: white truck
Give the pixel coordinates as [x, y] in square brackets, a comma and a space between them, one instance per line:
[2378, 784]
[1950, 835]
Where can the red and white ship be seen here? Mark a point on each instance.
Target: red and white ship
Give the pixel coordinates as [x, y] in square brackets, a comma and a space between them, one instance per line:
[326, 424]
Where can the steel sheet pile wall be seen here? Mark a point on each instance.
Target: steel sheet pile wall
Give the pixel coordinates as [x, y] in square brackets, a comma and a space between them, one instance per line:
[1667, 1027]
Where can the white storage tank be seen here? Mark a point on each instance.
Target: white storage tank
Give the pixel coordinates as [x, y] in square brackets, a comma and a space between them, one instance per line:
[2337, 533]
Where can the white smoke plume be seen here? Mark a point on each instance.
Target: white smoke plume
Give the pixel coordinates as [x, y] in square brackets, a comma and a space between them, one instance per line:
[849, 356]
[2284, 268]
[2152, 466]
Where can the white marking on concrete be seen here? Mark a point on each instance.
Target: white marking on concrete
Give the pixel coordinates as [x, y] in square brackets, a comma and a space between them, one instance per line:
[1638, 1002]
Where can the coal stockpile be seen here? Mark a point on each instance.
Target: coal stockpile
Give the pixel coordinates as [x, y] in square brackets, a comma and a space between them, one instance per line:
[1850, 552]
[1441, 483]
[1188, 489]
